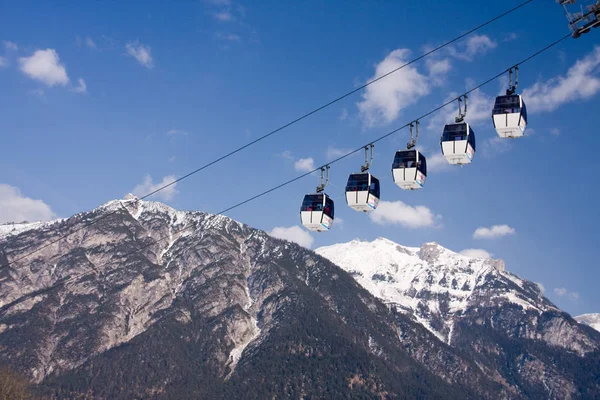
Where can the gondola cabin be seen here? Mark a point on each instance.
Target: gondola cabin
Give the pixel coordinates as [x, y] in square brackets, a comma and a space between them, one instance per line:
[409, 169]
[317, 212]
[362, 192]
[458, 143]
[510, 116]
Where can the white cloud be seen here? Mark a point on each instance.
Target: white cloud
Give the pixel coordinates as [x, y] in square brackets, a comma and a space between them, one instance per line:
[580, 83]
[474, 45]
[510, 37]
[495, 145]
[437, 162]
[81, 87]
[224, 16]
[14, 207]
[438, 69]
[89, 42]
[304, 164]
[293, 234]
[230, 37]
[10, 45]
[542, 287]
[397, 212]
[383, 100]
[3, 62]
[45, 66]
[476, 253]
[142, 53]
[174, 132]
[562, 292]
[494, 232]
[334, 152]
[148, 186]
[343, 115]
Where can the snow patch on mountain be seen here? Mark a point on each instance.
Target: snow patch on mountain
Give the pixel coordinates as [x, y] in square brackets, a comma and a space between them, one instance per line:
[592, 320]
[431, 283]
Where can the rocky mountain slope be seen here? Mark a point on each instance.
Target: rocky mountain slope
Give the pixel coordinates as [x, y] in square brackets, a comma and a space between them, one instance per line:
[216, 310]
[474, 305]
[220, 310]
[592, 320]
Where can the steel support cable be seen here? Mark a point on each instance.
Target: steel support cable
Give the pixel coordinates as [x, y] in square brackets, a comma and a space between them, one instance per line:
[70, 279]
[304, 116]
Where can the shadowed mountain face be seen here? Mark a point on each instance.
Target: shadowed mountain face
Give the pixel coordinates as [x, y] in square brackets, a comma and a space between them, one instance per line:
[220, 310]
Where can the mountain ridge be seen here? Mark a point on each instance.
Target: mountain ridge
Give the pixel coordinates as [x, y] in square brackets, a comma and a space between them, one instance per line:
[220, 310]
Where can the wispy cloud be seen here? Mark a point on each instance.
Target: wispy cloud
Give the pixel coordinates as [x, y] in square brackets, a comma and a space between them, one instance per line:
[562, 292]
[148, 186]
[335, 152]
[175, 132]
[580, 83]
[45, 66]
[473, 46]
[15, 207]
[294, 234]
[494, 232]
[399, 213]
[304, 164]
[81, 86]
[230, 37]
[10, 45]
[343, 115]
[89, 42]
[476, 253]
[3, 62]
[142, 53]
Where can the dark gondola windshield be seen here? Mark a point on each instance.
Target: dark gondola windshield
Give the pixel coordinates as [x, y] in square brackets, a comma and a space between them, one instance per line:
[329, 209]
[507, 104]
[374, 189]
[408, 159]
[472, 138]
[524, 111]
[358, 183]
[312, 202]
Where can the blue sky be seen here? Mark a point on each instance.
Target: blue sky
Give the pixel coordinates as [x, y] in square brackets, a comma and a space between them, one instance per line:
[101, 100]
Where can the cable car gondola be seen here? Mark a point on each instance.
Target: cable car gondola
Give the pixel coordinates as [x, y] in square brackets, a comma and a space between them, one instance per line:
[510, 113]
[317, 210]
[409, 168]
[362, 189]
[458, 139]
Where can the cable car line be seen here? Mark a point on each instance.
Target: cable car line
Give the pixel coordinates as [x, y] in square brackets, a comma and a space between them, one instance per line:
[304, 116]
[66, 280]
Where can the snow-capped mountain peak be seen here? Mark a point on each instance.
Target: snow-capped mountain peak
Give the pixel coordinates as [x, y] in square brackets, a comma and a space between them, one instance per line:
[592, 320]
[432, 283]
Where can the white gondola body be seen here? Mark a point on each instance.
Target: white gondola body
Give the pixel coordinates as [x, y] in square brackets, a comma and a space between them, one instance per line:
[409, 169]
[459, 152]
[510, 120]
[409, 178]
[362, 201]
[362, 192]
[316, 213]
[316, 221]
